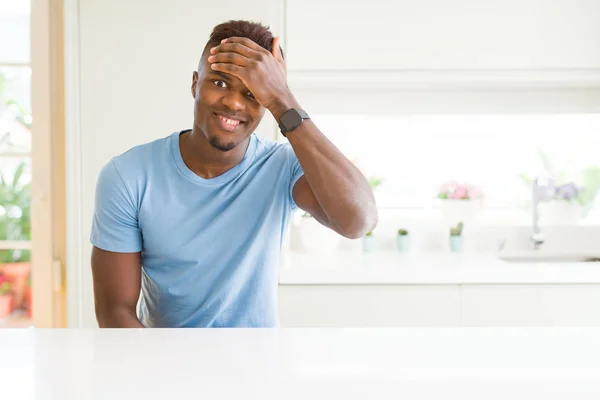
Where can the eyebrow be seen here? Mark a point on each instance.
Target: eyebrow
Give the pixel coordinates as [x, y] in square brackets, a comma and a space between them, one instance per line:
[221, 74]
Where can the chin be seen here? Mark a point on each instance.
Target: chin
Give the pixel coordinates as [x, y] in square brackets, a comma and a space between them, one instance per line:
[222, 145]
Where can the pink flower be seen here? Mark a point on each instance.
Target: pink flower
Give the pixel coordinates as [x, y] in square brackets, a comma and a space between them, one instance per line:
[460, 192]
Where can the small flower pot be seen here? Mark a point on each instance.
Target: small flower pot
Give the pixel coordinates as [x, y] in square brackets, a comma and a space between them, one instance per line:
[403, 243]
[456, 243]
[368, 243]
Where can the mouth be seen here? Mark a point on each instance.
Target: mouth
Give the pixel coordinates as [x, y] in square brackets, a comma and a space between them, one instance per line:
[229, 123]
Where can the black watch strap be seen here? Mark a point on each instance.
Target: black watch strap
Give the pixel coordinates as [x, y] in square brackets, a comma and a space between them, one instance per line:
[291, 119]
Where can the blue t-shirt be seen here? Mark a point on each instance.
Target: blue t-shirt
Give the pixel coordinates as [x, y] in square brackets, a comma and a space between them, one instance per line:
[210, 247]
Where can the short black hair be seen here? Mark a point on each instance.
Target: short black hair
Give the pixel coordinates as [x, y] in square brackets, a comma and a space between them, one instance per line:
[255, 31]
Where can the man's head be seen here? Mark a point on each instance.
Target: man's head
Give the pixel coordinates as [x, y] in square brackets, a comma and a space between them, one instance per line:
[225, 111]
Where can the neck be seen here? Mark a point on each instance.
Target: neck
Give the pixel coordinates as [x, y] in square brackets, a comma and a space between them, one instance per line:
[206, 161]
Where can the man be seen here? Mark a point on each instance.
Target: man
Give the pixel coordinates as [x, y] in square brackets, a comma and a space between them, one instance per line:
[195, 221]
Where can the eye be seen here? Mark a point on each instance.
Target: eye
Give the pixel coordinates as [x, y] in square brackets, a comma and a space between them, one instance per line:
[250, 95]
[220, 84]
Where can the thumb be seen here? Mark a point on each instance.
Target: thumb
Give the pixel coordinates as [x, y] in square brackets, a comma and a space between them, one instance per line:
[276, 50]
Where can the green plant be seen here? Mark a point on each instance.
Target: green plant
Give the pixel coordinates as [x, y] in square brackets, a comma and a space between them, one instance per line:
[375, 182]
[402, 232]
[15, 214]
[456, 230]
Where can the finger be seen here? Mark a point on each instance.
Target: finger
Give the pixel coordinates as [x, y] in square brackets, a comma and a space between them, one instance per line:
[245, 41]
[230, 58]
[276, 50]
[231, 69]
[234, 48]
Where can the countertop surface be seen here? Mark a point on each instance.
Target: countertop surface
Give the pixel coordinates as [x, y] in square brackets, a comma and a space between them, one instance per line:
[449, 363]
[394, 268]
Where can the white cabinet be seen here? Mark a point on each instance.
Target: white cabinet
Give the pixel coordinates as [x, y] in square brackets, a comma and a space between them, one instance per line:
[446, 35]
[368, 305]
[531, 305]
[439, 305]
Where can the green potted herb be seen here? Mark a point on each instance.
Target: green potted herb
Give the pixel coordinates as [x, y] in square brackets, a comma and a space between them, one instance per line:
[456, 238]
[368, 242]
[402, 240]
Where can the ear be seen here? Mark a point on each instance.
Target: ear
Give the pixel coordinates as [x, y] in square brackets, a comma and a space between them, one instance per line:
[276, 51]
[194, 83]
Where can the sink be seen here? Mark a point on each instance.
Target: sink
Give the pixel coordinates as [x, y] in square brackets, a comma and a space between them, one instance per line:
[545, 257]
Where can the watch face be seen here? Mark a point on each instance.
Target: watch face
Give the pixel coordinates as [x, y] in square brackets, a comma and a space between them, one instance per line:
[291, 119]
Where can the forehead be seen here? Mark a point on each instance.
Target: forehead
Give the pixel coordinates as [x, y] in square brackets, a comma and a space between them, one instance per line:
[206, 72]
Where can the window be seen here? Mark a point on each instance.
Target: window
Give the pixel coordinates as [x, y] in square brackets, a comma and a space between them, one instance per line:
[414, 154]
[15, 152]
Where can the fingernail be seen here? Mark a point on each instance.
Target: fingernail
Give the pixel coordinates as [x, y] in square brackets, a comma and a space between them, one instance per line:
[213, 49]
[223, 41]
[213, 66]
[211, 58]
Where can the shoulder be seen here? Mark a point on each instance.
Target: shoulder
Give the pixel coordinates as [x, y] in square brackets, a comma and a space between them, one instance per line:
[140, 157]
[137, 162]
[125, 175]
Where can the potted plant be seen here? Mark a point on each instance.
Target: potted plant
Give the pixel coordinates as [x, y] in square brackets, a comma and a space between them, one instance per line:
[563, 207]
[459, 201]
[15, 224]
[569, 194]
[368, 242]
[6, 297]
[402, 240]
[456, 238]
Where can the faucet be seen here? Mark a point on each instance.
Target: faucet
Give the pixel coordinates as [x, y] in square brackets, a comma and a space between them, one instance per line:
[536, 238]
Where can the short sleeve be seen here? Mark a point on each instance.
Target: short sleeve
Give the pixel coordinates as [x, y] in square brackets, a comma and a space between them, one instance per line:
[115, 223]
[295, 171]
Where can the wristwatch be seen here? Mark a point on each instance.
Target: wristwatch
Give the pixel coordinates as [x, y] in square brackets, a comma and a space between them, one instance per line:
[291, 119]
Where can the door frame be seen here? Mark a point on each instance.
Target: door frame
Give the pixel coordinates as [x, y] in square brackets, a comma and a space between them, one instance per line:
[48, 225]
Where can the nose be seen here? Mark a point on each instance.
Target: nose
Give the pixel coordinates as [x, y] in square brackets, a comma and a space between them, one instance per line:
[234, 101]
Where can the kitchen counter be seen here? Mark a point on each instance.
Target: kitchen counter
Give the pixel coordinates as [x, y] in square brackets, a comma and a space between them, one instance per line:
[351, 268]
[454, 363]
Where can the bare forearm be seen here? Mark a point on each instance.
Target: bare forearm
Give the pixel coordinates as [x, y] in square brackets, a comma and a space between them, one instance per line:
[340, 187]
[118, 317]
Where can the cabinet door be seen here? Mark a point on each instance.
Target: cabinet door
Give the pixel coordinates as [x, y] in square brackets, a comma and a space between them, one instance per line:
[368, 305]
[531, 305]
[380, 35]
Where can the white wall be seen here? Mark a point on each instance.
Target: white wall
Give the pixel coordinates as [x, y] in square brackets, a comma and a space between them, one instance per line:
[136, 63]
[135, 60]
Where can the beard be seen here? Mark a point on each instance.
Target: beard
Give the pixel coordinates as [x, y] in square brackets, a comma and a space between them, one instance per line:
[220, 145]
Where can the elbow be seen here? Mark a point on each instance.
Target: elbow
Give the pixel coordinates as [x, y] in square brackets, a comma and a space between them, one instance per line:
[104, 317]
[363, 222]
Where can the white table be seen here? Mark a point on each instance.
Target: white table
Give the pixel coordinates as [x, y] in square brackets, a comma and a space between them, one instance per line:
[311, 364]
